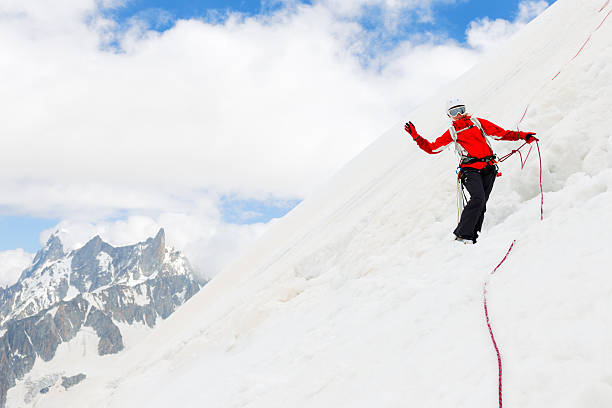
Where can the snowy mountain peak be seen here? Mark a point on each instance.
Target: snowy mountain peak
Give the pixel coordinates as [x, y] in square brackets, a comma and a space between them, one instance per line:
[160, 238]
[96, 241]
[97, 265]
[97, 286]
[52, 251]
[155, 248]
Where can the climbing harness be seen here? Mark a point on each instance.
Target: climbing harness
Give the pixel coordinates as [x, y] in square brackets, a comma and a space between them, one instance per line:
[487, 159]
[464, 158]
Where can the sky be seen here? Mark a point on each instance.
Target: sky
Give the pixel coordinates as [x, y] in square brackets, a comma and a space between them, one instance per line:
[210, 119]
[451, 18]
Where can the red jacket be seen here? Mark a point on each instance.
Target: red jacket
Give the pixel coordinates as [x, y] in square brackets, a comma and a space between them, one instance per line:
[471, 141]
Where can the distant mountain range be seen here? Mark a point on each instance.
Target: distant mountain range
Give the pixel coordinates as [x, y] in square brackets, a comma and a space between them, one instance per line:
[97, 286]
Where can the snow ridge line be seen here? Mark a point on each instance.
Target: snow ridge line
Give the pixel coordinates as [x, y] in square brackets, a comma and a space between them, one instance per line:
[486, 310]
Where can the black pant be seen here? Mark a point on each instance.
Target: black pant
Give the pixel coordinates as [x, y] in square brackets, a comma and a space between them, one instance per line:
[479, 184]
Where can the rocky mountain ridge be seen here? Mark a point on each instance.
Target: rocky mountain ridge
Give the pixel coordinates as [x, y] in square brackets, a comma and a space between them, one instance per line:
[97, 287]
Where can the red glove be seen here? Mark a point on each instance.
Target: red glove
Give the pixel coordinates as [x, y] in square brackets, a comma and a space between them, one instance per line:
[409, 127]
[530, 137]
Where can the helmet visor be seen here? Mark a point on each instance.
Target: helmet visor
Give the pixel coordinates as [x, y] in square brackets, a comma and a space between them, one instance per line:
[456, 110]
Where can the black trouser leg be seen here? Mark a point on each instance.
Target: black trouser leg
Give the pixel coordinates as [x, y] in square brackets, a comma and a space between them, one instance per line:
[479, 184]
[489, 174]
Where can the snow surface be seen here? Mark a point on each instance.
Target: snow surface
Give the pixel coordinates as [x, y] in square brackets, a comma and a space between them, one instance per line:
[105, 262]
[71, 294]
[359, 297]
[138, 295]
[39, 291]
[80, 355]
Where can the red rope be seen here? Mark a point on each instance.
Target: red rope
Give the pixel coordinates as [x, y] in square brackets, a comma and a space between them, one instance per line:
[523, 162]
[503, 260]
[590, 35]
[506, 157]
[541, 187]
[524, 114]
[499, 362]
[582, 48]
[604, 20]
[486, 310]
[484, 290]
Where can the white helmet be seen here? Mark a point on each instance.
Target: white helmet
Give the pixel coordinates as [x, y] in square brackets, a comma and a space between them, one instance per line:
[454, 103]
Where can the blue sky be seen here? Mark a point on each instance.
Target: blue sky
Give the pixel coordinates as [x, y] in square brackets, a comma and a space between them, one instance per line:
[451, 20]
[238, 211]
[454, 19]
[191, 8]
[23, 232]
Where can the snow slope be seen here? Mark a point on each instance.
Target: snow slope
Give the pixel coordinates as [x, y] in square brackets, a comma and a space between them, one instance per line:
[78, 356]
[359, 297]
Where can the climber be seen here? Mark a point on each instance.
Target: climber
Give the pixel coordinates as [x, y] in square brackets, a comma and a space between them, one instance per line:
[477, 165]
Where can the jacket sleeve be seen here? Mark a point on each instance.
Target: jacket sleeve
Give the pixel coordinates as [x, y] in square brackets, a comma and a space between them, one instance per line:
[437, 146]
[497, 133]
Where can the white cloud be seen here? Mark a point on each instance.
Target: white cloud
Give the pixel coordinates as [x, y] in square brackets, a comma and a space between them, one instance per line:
[530, 9]
[486, 34]
[12, 263]
[268, 105]
[246, 106]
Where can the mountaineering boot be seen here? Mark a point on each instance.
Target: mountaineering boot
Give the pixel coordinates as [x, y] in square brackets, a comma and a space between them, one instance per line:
[464, 241]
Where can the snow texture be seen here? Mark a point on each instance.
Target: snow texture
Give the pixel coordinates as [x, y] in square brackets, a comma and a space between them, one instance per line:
[360, 298]
[80, 355]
